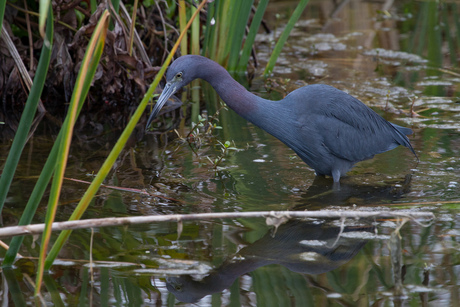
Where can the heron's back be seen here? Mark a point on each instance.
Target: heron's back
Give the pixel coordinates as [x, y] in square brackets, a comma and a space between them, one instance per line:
[334, 130]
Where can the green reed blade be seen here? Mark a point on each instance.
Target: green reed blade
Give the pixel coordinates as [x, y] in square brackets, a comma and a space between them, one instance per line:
[33, 202]
[456, 16]
[209, 45]
[208, 29]
[116, 9]
[28, 114]
[222, 36]
[92, 57]
[15, 293]
[238, 29]
[111, 159]
[182, 24]
[53, 290]
[249, 42]
[44, 9]
[231, 23]
[194, 34]
[284, 36]
[2, 13]
[45, 177]
[448, 34]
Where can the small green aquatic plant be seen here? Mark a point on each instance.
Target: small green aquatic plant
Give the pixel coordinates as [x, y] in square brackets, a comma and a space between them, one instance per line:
[202, 135]
[225, 150]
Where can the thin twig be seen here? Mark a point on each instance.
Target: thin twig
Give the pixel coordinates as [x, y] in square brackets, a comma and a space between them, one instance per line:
[91, 256]
[6, 247]
[117, 221]
[425, 203]
[131, 190]
[114, 14]
[91, 271]
[32, 284]
[137, 41]
[37, 15]
[164, 32]
[31, 42]
[133, 27]
[20, 64]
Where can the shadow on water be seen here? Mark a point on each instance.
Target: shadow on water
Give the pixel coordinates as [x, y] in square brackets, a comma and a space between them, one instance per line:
[351, 192]
[305, 247]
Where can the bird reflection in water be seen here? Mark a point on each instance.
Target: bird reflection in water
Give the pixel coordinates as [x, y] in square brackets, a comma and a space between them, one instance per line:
[306, 247]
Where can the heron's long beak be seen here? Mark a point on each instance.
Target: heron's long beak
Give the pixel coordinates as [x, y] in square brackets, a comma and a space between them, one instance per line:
[168, 91]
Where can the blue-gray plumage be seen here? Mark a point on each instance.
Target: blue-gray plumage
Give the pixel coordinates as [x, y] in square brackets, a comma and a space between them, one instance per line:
[329, 129]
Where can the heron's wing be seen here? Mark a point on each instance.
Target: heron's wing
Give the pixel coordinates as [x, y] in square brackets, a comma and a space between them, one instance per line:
[403, 130]
[351, 131]
[354, 143]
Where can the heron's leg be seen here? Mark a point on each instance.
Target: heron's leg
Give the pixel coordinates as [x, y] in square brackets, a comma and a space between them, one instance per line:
[336, 186]
[336, 175]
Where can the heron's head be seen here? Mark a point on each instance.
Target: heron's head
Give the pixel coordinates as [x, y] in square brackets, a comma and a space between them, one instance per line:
[181, 72]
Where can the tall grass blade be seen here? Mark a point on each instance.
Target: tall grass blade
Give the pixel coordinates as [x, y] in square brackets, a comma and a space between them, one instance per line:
[33, 202]
[208, 48]
[53, 290]
[15, 292]
[44, 9]
[2, 14]
[434, 36]
[135, 36]
[448, 35]
[284, 36]
[195, 34]
[209, 28]
[230, 25]
[195, 49]
[103, 172]
[182, 24]
[116, 8]
[133, 27]
[28, 114]
[92, 57]
[422, 29]
[456, 16]
[222, 35]
[43, 180]
[249, 42]
[93, 4]
[239, 29]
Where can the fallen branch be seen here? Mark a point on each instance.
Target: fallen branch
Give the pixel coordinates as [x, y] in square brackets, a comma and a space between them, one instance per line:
[117, 221]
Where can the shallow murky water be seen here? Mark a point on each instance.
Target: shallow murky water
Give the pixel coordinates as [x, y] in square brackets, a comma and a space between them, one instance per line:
[383, 56]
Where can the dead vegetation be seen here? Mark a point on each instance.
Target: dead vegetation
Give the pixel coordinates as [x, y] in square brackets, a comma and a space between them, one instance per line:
[121, 79]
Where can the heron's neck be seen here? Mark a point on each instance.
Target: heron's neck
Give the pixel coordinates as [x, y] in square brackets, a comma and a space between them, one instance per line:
[261, 112]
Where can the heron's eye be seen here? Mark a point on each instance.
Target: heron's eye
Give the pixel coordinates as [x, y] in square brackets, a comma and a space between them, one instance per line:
[178, 75]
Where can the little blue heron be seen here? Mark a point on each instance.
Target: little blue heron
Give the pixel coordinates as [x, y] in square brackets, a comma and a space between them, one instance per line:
[329, 129]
